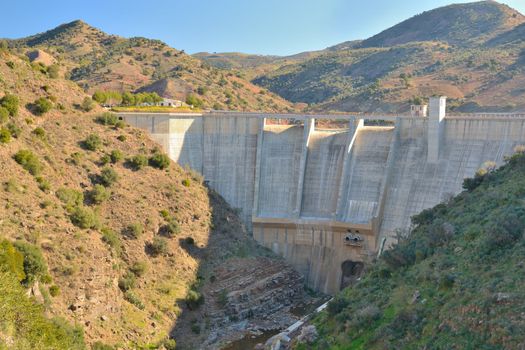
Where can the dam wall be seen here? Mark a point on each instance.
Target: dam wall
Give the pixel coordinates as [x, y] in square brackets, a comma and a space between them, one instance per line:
[329, 200]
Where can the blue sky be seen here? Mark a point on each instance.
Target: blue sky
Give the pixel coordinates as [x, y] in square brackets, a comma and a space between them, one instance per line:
[278, 27]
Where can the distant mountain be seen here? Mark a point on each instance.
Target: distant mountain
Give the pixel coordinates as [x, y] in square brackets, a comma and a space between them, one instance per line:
[474, 53]
[458, 24]
[96, 60]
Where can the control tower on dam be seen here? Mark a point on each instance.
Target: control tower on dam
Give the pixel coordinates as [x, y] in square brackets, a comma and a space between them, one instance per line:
[329, 199]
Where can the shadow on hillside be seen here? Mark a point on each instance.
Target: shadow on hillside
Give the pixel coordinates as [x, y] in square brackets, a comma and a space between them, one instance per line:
[227, 238]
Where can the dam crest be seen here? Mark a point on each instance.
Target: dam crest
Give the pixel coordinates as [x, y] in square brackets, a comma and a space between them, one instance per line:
[330, 199]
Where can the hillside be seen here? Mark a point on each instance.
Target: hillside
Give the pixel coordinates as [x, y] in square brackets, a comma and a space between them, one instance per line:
[111, 236]
[99, 61]
[458, 24]
[472, 53]
[457, 281]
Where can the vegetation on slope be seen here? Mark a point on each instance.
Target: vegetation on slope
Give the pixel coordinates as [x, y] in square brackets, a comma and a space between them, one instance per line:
[93, 205]
[472, 53]
[456, 282]
[98, 61]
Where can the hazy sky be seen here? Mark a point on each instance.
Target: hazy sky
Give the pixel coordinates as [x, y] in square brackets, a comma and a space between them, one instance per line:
[278, 27]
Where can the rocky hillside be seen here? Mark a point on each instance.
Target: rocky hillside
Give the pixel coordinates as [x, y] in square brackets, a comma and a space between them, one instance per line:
[98, 225]
[456, 282]
[99, 61]
[472, 53]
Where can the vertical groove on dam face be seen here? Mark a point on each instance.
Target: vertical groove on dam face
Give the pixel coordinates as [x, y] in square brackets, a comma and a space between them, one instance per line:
[280, 158]
[367, 168]
[326, 152]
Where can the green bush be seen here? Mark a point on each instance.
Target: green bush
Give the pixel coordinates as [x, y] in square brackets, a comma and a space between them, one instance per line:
[134, 230]
[137, 162]
[194, 299]
[28, 327]
[112, 239]
[139, 268]
[160, 161]
[11, 260]
[39, 132]
[42, 105]
[5, 135]
[159, 246]
[29, 161]
[11, 103]
[84, 218]
[87, 104]
[54, 290]
[43, 184]
[194, 101]
[70, 197]
[4, 114]
[108, 177]
[14, 130]
[35, 266]
[186, 182]
[170, 344]
[134, 299]
[116, 156]
[120, 124]
[107, 118]
[127, 282]
[92, 142]
[98, 195]
[171, 229]
[53, 71]
[121, 138]
[104, 160]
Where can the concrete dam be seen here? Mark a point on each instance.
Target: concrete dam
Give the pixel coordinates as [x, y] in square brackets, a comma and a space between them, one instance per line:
[329, 200]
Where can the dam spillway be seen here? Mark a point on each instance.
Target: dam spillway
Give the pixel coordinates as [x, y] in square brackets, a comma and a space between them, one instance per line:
[328, 199]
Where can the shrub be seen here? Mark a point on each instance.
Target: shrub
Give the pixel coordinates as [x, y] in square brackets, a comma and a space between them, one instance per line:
[42, 105]
[194, 299]
[194, 101]
[29, 161]
[169, 344]
[127, 282]
[14, 130]
[43, 184]
[111, 238]
[92, 142]
[84, 218]
[171, 229]
[121, 138]
[35, 266]
[39, 132]
[139, 268]
[134, 299]
[137, 162]
[54, 290]
[159, 246]
[87, 104]
[107, 118]
[99, 194]
[159, 160]
[116, 156]
[53, 71]
[104, 160]
[70, 197]
[11, 260]
[4, 114]
[5, 135]
[10, 102]
[134, 230]
[120, 124]
[186, 182]
[108, 177]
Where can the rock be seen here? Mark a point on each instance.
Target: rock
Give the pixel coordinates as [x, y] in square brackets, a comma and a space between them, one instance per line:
[502, 297]
[415, 296]
[308, 335]
[259, 346]
[103, 318]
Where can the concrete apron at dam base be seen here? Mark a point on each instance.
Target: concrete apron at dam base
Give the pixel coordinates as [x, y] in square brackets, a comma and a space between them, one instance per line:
[329, 200]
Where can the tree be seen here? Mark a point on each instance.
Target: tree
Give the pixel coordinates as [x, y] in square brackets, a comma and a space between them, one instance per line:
[194, 101]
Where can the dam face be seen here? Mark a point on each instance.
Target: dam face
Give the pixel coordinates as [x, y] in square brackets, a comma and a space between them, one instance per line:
[328, 200]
